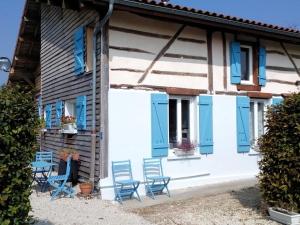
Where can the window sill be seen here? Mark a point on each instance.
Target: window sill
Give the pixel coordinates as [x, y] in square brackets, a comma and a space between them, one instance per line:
[254, 152]
[62, 131]
[173, 157]
[248, 87]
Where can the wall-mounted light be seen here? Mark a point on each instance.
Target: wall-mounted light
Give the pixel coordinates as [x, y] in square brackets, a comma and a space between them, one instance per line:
[5, 64]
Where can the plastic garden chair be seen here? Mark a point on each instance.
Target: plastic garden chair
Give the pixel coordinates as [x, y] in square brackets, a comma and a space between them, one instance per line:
[155, 181]
[59, 183]
[124, 185]
[41, 173]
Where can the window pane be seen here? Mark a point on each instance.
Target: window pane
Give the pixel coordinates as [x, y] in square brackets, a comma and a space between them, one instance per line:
[252, 135]
[245, 63]
[260, 119]
[172, 122]
[185, 119]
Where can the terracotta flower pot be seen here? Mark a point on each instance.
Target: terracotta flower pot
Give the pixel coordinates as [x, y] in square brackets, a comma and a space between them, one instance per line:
[75, 156]
[86, 188]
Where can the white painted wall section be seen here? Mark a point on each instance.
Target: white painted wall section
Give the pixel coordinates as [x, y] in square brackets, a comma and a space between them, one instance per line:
[130, 138]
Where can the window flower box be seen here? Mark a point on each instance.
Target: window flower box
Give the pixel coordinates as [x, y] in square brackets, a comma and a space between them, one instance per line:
[68, 125]
[284, 216]
[185, 148]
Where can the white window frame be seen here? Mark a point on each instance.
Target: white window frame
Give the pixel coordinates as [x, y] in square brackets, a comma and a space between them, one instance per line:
[193, 117]
[255, 127]
[250, 81]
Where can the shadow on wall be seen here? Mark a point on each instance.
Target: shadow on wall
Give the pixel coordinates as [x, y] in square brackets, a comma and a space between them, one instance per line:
[249, 198]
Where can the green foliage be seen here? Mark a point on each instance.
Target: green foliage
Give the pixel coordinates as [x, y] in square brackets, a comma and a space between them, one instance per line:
[279, 176]
[18, 131]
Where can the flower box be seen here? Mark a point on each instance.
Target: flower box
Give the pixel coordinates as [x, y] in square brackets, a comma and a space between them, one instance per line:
[284, 216]
[69, 128]
[183, 152]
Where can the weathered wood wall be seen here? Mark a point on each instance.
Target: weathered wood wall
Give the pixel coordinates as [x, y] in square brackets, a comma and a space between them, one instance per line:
[59, 82]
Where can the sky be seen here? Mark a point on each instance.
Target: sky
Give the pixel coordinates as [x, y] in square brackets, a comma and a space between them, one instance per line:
[278, 12]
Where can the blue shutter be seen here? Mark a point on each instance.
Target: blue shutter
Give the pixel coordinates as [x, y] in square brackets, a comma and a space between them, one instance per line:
[48, 116]
[79, 66]
[243, 111]
[40, 106]
[206, 124]
[159, 125]
[235, 60]
[81, 112]
[262, 66]
[277, 100]
[58, 108]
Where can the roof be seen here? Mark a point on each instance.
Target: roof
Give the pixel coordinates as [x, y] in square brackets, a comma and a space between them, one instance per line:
[218, 15]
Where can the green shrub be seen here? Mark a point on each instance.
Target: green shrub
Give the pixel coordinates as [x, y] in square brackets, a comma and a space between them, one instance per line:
[279, 176]
[18, 131]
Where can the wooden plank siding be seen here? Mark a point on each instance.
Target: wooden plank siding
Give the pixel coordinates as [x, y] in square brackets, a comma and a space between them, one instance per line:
[60, 83]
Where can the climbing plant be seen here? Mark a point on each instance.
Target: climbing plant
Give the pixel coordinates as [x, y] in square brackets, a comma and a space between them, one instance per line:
[18, 132]
[279, 176]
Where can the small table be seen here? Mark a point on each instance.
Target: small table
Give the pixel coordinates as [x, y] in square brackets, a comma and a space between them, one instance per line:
[44, 168]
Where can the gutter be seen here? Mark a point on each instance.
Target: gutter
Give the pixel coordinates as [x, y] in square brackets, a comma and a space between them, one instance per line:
[98, 29]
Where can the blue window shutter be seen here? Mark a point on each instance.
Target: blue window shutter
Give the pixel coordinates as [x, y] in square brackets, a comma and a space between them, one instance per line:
[48, 116]
[58, 108]
[79, 66]
[81, 112]
[262, 66]
[277, 100]
[235, 60]
[159, 125]
[40, 105]
[243, 111]
[206, 124]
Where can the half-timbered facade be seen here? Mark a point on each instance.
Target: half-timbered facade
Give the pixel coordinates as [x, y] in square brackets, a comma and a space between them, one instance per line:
[166, 77]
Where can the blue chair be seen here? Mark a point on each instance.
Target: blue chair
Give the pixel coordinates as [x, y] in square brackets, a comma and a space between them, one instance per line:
[155, 181]
[124, 185]
[59, 183]
[40, 173]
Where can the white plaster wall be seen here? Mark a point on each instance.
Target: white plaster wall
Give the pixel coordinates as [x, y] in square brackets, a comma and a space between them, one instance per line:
[130, 138]
[140, 61]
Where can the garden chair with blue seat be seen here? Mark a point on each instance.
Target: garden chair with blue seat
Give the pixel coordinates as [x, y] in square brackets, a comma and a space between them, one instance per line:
[155, 181]
[59, 183]
[40, 170]
[124, 185]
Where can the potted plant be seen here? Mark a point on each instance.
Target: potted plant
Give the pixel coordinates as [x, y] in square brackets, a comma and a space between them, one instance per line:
[284, 216]
[184, 148]
[68, 124]
[86, 187]
[63, 154]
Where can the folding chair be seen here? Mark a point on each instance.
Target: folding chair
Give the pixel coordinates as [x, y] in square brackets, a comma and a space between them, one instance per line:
[124, 185]
[40, 174]
[155, 181]
[59, 183]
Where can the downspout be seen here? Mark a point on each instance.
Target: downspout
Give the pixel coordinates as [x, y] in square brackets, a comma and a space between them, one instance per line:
[98, 29]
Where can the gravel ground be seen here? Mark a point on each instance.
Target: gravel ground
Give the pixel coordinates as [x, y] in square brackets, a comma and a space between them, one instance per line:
[240, 207]
[233, 208]
[77, 211]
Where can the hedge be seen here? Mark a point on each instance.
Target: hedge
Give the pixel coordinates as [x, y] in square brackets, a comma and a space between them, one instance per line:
[18, 132]
[279, 176]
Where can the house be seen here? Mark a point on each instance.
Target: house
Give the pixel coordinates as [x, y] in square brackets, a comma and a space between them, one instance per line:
[142, 76]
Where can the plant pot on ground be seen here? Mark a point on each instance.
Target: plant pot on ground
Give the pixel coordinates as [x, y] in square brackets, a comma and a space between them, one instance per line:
[284, 216]
[86, 188]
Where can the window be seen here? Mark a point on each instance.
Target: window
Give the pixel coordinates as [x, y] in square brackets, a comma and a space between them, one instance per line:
[70, 108]
[257, 118]
[89, 49]
[181, 120]
[246, 64]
